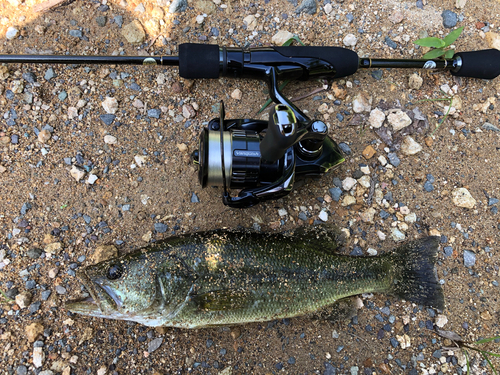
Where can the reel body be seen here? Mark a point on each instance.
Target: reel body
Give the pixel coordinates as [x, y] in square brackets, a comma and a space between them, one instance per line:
[263, 159]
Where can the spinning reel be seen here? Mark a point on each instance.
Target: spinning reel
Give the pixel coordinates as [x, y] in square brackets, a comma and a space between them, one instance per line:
[263, 158]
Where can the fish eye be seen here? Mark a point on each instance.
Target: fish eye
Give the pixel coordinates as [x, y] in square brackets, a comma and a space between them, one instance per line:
[115, 271]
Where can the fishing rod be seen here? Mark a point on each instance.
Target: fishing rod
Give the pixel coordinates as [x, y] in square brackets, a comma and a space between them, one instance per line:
[264, 158]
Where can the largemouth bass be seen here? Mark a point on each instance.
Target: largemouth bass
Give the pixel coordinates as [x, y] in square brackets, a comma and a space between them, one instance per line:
[226, 278]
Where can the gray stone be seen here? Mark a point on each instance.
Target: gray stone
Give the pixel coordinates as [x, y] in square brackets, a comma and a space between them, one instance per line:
[49, 74]
[336, 193]
[76, 33]
[178, 6]
[154, 344]
[492, 201]
[345, 148]
[161, 228]
[469, 258]
[29, 77]
[307, 6]
[393, 159]
[25, 208]
[488, 126]
[391, 43]
[154, 112]
[101, 21]
[194, 198]
[428, 186]
[107, 118]
[118, 20]
[34, 253]
[450, 19]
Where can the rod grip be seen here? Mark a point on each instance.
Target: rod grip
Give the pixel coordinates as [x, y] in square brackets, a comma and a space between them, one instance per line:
[483, 64]
[199, 60]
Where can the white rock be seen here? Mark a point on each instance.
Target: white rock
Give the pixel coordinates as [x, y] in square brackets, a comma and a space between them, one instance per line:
[140, 8]
[282, 212]
[12, 32]
[251, 22]
[137, 103]
[381, 235]
[362, 102]
[110, 140]
[72, 112]
[368, 215]
[281, 37]
[382, 159]
[364, 181]
[38, 357]
[411, 218]
[350, 40]
[404, 210]
[462, 198]
[188, 111]
[348, 183]
[402, 226]
[460, 4]
[348, 200]
[77, 173]
[441, 320]
[399, 120]
[397, 235]
[23, 299]
[404, 341]
[110, 105]
[102, 371]
[140, 160]
[409, 146]
[328, 8]
[200, 19]
[415, 81]
[377, 118]
[236, 94]
[323, 108]
[92, 179]
[365, 169]
[371, 251]
[323, 216]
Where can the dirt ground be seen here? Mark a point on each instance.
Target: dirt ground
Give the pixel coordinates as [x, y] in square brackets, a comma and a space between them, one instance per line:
[145, 177]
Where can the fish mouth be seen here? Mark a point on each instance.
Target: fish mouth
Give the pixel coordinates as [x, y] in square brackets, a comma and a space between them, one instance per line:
[101, 300]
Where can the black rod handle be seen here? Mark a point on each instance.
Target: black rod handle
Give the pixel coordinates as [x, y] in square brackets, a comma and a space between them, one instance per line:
[483, 64]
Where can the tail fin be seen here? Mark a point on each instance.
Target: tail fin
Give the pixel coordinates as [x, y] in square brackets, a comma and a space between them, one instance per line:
[415, 277]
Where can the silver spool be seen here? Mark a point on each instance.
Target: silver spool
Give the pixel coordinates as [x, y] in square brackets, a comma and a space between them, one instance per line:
[214, 177]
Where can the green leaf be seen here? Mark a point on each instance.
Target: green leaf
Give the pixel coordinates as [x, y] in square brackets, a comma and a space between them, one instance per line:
[449, 54]
[430, 42]
[484, 341]
[434, 53]
[295, 38]
[451, 37]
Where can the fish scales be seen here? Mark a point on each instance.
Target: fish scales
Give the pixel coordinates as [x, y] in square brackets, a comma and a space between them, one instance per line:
[224, 278]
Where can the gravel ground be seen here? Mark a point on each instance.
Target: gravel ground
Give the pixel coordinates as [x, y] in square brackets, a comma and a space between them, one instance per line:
[95, 160]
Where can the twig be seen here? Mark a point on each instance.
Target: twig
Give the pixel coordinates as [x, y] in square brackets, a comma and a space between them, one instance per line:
[315, 91]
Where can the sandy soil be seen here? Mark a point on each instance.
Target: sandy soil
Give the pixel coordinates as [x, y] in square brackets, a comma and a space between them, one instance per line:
[41, 204]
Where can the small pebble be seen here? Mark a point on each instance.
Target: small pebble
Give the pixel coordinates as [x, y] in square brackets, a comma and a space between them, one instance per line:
[469, 258]
[450, 19]
[161, 227]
